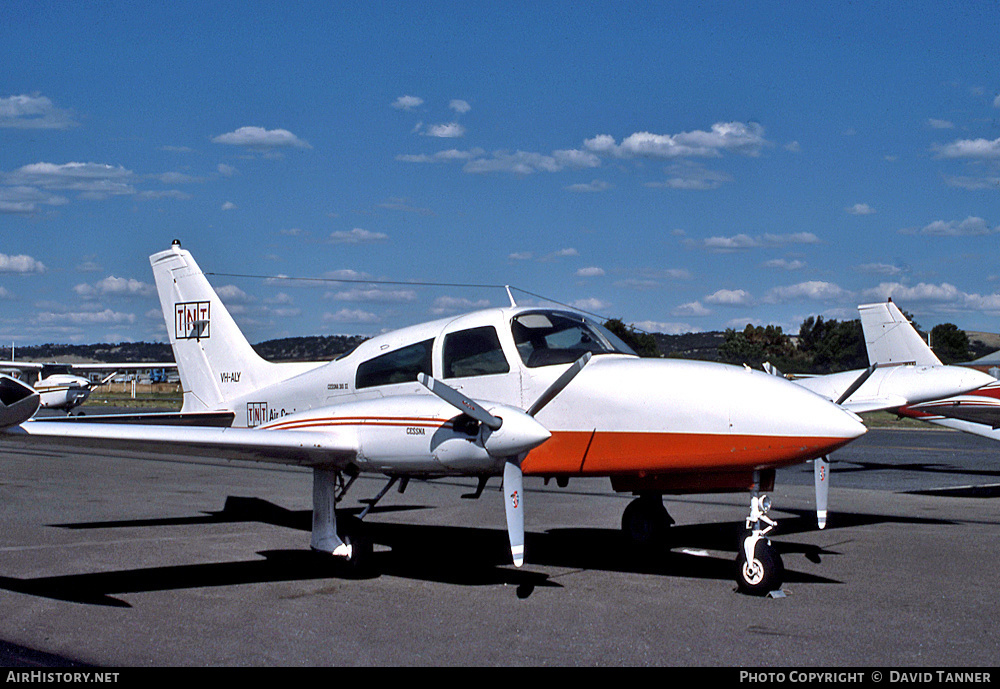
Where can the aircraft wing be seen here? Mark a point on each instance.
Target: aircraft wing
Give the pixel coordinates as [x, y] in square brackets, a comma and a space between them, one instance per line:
[301, 448]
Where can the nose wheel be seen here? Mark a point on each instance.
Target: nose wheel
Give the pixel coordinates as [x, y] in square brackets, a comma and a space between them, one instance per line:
[759, 569]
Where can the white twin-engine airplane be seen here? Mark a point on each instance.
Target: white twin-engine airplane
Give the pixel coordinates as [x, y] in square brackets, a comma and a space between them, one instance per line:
[903, 370]
[505, 391]
[57, 385]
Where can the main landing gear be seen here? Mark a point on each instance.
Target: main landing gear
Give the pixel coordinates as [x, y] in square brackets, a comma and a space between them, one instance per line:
[347, 545]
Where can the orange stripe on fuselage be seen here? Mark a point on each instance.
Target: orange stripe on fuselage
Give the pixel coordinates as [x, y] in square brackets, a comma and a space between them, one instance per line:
[603, 453]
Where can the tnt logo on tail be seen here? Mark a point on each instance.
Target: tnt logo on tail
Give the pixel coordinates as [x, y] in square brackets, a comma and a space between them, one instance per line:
[191, 320]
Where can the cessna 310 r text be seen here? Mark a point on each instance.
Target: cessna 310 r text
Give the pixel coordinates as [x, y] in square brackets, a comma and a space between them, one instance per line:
[500, 392]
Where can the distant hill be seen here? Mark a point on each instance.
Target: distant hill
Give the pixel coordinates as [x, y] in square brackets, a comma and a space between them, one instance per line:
[317, 348]
[701, 346]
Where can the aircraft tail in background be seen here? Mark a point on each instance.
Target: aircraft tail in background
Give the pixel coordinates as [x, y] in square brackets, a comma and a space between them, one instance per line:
[891, 339]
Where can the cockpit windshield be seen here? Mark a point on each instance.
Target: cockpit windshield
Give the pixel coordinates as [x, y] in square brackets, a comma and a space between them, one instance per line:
[544, 338]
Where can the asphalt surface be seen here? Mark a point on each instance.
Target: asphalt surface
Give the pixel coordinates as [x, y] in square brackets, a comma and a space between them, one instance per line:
[135, 563]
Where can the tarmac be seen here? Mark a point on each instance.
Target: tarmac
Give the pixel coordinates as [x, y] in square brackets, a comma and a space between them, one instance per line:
[112, 562]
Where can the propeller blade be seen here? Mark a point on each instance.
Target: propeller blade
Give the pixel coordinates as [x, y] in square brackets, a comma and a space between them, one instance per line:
[513, 495]
[460, 401]
[560, 383]
[865, 375]
[821, 475]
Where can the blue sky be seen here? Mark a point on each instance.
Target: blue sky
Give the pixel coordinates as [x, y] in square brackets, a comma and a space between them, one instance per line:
[683, 166]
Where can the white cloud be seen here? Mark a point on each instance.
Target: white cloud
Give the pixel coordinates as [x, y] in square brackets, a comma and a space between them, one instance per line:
[33, 112]
[880, 269]
[444, 306]
[694, 308]
[734, 243]
[969, 148]
[693, 177]
[90, 180]
[591, 272]
[107, 316]
[452, 130]
[591, 187]
[590, 304]
[785, 264]
[742, 242]
[357, 236]
[813, 290]
[351, 316]
[459, 106]
[375, 295]
[860, 209]
[20, 264]
[260, 138]
[736, 137]
[971, 226]
[730, 297]
[116, 286]
[666, 328]
[407, 102]
[940, 124]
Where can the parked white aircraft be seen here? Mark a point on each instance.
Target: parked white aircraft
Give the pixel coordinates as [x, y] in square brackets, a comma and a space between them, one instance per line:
[59, 387]
[903, 371]
[504, 391]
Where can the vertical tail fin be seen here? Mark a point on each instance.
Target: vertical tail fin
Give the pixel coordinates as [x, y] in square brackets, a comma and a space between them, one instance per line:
[891, 339]
[215, 362]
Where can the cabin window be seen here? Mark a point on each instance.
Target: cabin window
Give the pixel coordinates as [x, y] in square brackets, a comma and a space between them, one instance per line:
[474, 352]
[547, 338]
[398, 366]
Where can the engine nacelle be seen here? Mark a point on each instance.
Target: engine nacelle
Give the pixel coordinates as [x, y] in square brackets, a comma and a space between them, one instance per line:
[18, 402]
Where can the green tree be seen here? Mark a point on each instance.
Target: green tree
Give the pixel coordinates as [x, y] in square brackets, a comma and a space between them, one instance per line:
[950, 344]
[756, 344]
[831, 345]
[641, 343]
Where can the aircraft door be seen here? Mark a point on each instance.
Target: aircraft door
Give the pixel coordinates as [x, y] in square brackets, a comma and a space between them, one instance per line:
[474, 361]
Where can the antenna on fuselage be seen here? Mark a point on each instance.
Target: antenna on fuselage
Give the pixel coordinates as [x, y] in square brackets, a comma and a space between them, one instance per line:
[510, 296]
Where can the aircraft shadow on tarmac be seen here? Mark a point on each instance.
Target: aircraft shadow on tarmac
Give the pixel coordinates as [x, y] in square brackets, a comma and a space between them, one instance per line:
[463, 556]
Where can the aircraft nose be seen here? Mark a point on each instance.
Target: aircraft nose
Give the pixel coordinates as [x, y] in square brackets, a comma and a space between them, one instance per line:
[977, 379]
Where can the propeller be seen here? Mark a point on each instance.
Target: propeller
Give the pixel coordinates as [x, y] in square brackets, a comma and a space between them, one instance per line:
[512, 449]
[821, 465]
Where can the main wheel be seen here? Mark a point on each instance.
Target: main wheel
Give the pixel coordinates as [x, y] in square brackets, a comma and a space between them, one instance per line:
[645, 521]
[761, 575]
[361, 562]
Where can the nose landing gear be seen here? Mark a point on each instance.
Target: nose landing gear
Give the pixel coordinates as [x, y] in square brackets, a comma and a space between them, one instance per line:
[759, 566]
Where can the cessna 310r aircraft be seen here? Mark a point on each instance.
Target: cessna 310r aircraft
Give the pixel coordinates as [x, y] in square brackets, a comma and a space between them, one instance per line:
[506, 391]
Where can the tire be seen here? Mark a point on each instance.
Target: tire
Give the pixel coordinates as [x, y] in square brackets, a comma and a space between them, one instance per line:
[761, 576]
[645, 522]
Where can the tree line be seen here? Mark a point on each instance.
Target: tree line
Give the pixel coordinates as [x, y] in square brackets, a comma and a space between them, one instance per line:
[821, 345]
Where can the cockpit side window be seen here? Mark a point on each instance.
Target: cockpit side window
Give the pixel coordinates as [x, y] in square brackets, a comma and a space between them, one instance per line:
[398, 366]
[547, 338]
[474, 352]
